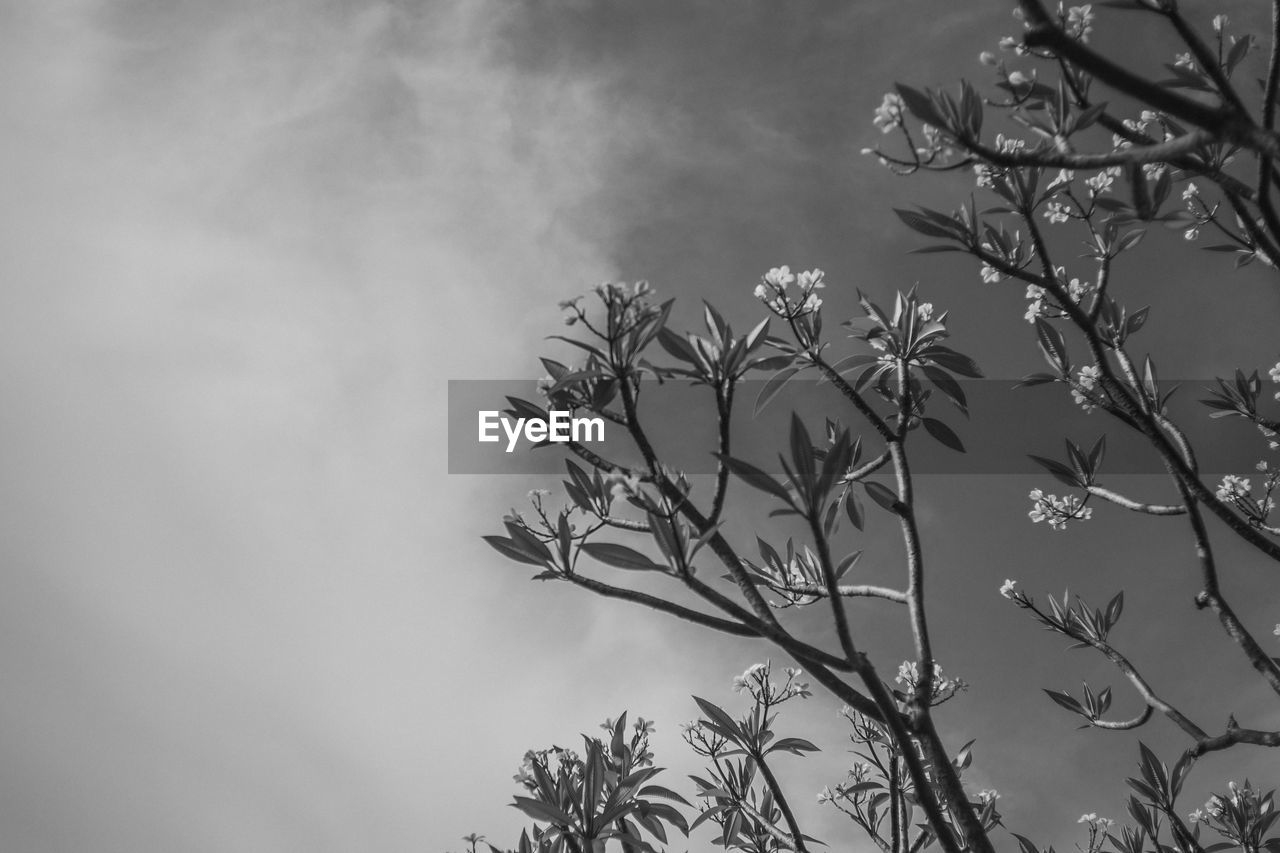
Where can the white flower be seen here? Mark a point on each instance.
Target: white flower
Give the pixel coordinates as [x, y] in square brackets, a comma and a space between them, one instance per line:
[1233, 487]
[1080, 21]
[1219, 22]
[889, 113]
[1017, 78]
[1099, 183]
[825, 795]
[1056, 213]
[779, 277]
[988, 795]
[908, 673]
[1087, 818]
[1065, 176]
[1153, 171]
[1006, 588]
[811, 280]
[925, 312]
[1184, 60]
[1190, 192]
[1274, 373]
[1078, 289]
[987, 58]
[538, 494]
[1089, 376]
[1057, 511]
[1191, 234]
[990, 274]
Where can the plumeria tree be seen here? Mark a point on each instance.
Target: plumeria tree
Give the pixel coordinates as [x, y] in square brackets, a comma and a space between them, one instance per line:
[1087, 149]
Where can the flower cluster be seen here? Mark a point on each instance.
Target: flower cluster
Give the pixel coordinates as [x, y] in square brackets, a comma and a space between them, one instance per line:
[1080, 22]
[943, 688]
[772, 291]
[1082, 394]
[756, 681]
[1092, 819]
[1057, 511]
[1233, 488]
[889, 113]
[1243, 815]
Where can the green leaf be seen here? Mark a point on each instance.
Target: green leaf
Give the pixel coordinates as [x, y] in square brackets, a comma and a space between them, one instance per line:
[881, 494]
[508, 549]
[772, 387]
[943, 434]
[754, 477]
[676, 346]
[920, 105]
[793, 745]
[1066, 701]
[1052, 345]
[539, 810]
[621, 557]
[1058, 470]
[853, 508]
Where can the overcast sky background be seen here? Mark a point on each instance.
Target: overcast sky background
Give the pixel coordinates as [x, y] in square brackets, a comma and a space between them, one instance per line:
[245, 246]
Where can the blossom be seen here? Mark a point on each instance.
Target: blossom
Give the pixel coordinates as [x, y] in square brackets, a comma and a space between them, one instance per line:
[825, 795]
[990, 274]
[1035, 293]
[1006, 588]
[1219, 23]
[1274, 373]
[987, 58]
[621, 484]
[889, 113]
[1100, 183]
[988, 795]
[1087, 380]
[1056, 213]
[1080, 21]
[1233, 487]
[538, 494]
[1077, 289]
[753, 674]
[908, 673]
[1064, 177]
[779, 277]
[811, 280]
[1184, 60]
[1087, 818]
[1190, 191]
[1057, 511]
[1191, 234]
[1153, 171]
[925, 312]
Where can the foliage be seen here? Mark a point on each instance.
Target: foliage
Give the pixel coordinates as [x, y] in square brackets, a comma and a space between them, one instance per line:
[1196, 154]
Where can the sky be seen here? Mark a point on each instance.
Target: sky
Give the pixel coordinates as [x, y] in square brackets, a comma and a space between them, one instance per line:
[245, 248]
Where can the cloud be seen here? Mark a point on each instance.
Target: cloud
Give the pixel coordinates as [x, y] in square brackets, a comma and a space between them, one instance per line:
[255, 241]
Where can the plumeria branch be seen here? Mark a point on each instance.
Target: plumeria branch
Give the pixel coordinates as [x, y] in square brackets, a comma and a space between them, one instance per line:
[1135, 506]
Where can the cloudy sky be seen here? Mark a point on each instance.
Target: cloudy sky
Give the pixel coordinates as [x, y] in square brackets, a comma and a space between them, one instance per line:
[246, 245]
